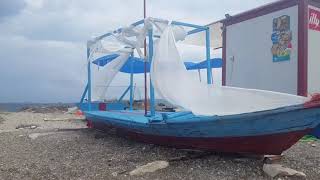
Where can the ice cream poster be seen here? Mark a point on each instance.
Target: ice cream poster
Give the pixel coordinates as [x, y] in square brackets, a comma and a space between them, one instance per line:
[281, 39]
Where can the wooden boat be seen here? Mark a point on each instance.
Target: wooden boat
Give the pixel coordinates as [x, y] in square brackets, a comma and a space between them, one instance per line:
[258, 128]
[267, 132]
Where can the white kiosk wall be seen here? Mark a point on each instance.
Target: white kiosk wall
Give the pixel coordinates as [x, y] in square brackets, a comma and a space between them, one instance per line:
[314, 50]
[249, 59]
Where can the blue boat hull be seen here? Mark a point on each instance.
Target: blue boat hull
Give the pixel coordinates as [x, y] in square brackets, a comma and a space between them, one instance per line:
[268, 132]
[316, 132]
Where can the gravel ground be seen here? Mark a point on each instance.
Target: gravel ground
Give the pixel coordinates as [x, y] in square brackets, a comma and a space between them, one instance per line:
[65, 150]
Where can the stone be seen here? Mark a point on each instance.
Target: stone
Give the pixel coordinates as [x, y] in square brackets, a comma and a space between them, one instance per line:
[277, 170]
[313, 145]
[33, 127]
[36, 135]
[114, 174]
[272, 159]
[150, 167]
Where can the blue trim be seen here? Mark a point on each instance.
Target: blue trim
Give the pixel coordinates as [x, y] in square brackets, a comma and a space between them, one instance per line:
[152, 98]
[209, 72]
[185, 124]
[124, 93]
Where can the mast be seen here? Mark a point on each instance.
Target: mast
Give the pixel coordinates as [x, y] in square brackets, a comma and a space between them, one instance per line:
[145, 66]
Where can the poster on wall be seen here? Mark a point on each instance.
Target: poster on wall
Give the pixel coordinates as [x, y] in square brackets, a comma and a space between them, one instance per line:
[314, 19]
[281, 39]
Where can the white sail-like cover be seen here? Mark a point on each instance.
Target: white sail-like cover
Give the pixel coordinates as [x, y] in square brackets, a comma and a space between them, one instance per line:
[104, 76]
[120, 43]
[172, 81]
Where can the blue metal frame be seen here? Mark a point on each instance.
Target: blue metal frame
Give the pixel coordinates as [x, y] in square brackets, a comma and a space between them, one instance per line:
[124, 93]
[196, 29]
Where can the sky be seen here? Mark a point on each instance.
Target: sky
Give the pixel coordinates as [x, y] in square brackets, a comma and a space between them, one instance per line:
[43, 42]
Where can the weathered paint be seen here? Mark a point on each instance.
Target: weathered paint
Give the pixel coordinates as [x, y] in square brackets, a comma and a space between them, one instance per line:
[280, 128]
[264, 144]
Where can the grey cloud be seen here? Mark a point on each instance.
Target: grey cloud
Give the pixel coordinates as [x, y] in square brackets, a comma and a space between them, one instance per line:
[42, 53]
[11, 7]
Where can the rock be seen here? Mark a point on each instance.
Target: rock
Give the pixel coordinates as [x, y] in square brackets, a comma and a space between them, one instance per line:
[72, 110]
[313, 145]
[114, 174]
[150, 167]
[33, 127]
[272, 159]
[277, 170]
[36, 135]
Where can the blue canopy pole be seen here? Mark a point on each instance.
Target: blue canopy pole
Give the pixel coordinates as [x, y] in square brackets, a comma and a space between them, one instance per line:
[84, 94]
[131, 85]
[188, 25]
[124, 93]
[209, 69]
[152, 100]
[89, 77]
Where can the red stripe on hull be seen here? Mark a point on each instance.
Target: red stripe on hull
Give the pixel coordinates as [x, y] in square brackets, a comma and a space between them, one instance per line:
[273, 144]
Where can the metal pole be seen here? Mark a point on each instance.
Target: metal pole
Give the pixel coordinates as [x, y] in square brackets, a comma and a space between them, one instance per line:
[209, 69]
[145, 67]
[89, 77]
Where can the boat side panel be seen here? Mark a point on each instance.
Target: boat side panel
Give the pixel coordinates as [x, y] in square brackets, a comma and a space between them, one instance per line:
[264, 124]
[265, 144]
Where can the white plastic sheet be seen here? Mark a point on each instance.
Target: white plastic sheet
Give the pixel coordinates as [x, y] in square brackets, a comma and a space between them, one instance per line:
[172, 81]
[103, 76]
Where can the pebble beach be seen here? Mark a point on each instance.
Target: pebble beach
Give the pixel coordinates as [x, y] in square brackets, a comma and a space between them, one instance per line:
[58, 145]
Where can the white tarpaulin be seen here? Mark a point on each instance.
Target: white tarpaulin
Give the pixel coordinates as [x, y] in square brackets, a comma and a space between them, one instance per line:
[172, 81]
[103, 76]
[199, 39]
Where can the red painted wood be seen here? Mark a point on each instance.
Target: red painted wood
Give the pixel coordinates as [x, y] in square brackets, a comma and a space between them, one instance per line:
[303, 48]
[273, 144]
[314, 102]
[102, 106]
[260, 11]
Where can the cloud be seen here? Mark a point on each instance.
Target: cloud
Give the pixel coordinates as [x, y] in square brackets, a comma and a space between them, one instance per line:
[43, 56]
[11, 7]
[46, 71]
